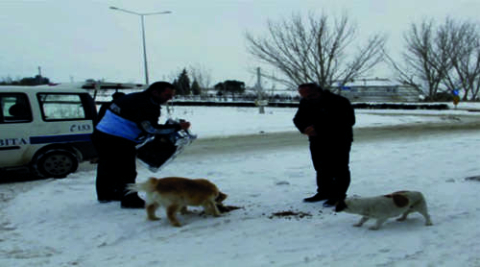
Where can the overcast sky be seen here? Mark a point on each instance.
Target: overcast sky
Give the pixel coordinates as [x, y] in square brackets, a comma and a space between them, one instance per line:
[82, 39]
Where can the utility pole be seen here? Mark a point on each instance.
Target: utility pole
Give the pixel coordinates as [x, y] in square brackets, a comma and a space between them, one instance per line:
[260, 102]
[142, 21]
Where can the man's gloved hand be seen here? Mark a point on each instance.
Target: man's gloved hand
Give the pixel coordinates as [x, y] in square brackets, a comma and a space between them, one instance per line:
[184, 124]
[310, 131]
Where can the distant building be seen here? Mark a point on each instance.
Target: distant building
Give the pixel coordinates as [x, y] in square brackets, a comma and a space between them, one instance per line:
[101, 91]
[378, 90]
[362, 90]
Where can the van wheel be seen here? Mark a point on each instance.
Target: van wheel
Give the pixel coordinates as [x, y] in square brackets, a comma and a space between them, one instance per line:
[56, 163]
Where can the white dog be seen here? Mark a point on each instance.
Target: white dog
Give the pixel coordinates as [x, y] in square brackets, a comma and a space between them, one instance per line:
[384, 207]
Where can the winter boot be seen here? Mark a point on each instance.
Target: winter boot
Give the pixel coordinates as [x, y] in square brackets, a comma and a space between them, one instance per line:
[132, 201]
[315, 198]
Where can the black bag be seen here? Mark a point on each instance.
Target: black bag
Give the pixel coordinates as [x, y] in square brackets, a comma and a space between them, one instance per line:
[156, 152]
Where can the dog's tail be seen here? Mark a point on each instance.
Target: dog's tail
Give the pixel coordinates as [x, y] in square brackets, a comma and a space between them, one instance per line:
[148, 186]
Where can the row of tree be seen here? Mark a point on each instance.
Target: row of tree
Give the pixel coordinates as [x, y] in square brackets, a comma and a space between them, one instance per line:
[27, 81]
[185, 87]
[436, 57]
[182, 82]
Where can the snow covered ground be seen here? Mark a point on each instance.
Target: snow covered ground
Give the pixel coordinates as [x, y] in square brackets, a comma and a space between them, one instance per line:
[60, 223]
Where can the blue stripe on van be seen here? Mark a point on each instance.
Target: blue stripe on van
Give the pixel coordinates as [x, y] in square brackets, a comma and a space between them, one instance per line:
[9, 148]
[60, 138]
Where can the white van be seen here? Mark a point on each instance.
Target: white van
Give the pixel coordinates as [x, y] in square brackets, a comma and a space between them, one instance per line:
[45, 129]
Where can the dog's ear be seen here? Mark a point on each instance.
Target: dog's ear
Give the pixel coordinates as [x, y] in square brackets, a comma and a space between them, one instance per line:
[221, 197]
[341, 205]
[398, 199]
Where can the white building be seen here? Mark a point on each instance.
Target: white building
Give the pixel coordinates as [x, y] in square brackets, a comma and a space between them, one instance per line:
[378, 90]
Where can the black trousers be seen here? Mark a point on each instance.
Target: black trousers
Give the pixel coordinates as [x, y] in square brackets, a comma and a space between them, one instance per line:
[116, 166]
[331, 162]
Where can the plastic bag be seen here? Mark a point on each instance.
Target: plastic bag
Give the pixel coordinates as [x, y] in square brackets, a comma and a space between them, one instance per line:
[159, 150]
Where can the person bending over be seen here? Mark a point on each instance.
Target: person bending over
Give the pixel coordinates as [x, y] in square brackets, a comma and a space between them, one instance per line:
[128, 121]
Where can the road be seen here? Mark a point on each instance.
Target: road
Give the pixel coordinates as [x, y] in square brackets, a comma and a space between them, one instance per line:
[283, 140]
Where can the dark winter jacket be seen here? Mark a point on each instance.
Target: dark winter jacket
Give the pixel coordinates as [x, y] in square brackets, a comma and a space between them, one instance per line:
[134, 117]
[103, 109]
[331, 115]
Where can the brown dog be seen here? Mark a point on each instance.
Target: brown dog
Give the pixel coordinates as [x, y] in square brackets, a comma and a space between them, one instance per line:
[176, 193]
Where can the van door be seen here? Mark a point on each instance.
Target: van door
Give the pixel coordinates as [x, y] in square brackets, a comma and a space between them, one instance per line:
[64, 132]
[16, 120]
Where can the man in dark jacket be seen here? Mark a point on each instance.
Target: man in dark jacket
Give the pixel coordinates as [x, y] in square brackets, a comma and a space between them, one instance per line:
[129, 121]
[327, 120]
[104, 107]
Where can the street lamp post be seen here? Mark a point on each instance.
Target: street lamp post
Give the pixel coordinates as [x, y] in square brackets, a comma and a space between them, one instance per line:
[142, 19]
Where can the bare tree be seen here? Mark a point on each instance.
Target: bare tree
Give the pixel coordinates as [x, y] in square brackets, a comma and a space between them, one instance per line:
[315, 51]
[465, 58]
[6, 80]
[202, 75]
[427, 59]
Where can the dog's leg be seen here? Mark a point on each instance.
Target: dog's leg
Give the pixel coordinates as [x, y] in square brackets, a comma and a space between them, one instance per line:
[422, 209]
[404, 215]
[377, 224]
[151, 208]
[171, 214]
[428, 221]
[211, 208]
[184, 210]
[361, 222]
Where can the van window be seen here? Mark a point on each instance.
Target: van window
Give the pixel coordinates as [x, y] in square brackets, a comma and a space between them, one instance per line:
[62, 107]
[14, 108]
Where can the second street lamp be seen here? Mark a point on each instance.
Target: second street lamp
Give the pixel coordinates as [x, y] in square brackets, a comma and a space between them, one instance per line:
[142, 19]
